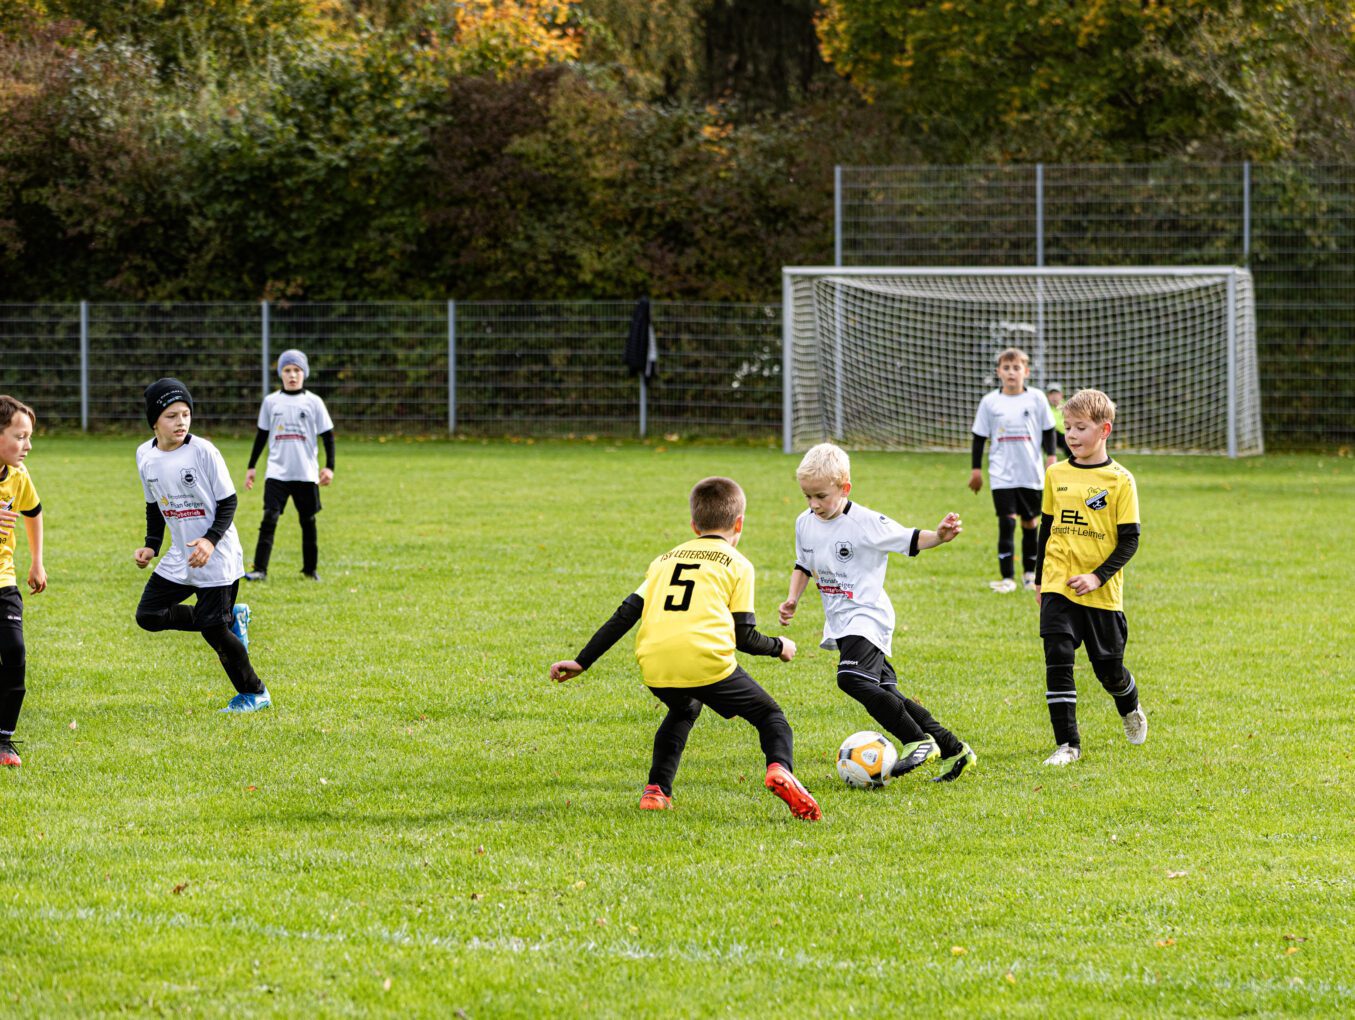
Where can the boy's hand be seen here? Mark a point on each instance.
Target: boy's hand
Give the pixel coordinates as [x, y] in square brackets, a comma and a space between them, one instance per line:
[786, 611]
[1038, 596]
[7, 519]
[143, 556]
[568, 669]
[787, 650]
[249, 479]
[949, 527]
[1084, 584]
[976, 480]
[202, 551]
[37, 578]
[326, 476]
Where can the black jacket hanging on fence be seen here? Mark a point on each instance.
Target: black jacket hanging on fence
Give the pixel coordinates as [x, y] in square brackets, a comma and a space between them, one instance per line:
[642, 349]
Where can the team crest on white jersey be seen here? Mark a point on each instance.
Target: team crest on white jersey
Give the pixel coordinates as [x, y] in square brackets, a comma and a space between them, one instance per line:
[188, 476]
[843, 551]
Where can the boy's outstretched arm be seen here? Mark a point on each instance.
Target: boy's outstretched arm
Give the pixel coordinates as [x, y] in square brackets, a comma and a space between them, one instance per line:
[37, 573]
[799, 581]
[607, 635]
[946, 531]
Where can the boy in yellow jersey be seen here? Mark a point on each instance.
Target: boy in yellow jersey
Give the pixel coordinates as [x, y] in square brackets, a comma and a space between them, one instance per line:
[1089, 530]
[17, 497]
[695, 609]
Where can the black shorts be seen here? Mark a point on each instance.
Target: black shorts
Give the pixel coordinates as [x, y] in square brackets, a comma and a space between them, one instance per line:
[859, 657]
[1103, 631]
[731, 697]
[215, 606]
[1023, 503]
[12, 615]
[306, 496]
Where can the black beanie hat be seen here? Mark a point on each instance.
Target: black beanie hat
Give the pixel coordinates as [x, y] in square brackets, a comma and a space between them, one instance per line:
[163, 392]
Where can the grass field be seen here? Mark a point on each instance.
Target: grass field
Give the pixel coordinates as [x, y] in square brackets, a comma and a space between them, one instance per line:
[424, 825]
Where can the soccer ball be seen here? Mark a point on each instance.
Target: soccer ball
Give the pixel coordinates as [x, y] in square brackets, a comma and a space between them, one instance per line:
[865, 759]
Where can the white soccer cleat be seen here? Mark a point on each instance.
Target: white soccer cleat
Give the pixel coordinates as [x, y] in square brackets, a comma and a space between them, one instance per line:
[1003, 587]
[1065, 755]
[1028, 580]
[1136, 726]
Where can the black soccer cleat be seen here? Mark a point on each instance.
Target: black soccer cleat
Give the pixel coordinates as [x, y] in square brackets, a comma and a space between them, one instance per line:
[914, 754]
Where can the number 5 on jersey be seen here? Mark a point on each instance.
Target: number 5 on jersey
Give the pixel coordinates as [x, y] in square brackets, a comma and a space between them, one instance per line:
[687, 587]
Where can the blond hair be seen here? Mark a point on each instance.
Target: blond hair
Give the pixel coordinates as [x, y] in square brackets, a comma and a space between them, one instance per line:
[1013, 354]
[825, 462]
[717, 503]
[1093, 405]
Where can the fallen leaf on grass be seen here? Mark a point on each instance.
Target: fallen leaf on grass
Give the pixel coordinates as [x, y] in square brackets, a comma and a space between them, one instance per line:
[1296, 938]
[1164, 943]
[180, 888]
[1177, 874]
[74, 725]
[601, 922]
[1291, 950]
[958, 950]
[480, 850]
[386, 985]
[476, 897]
[580, 884]
[1009, 977]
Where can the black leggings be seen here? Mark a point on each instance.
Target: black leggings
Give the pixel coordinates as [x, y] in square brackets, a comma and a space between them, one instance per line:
[13, 659]
[160, 610]
[736, 695]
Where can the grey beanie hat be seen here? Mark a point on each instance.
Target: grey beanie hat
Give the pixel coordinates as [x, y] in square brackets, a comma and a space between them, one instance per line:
[294, 357]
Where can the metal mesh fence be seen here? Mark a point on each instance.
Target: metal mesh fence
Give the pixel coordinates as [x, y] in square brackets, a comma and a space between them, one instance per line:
[1293, 226]
[487, 368]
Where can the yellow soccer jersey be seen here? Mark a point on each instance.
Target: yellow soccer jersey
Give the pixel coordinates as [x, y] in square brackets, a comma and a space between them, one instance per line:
[16, 493]
[1087, 504]
[691, 594]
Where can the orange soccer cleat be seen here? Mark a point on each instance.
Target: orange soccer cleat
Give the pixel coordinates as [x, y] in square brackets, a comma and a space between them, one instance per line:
[792, 791]
[654, 799]
[8, 756]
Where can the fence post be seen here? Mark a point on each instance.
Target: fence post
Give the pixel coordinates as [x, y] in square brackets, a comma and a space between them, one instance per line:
[787, 401]
[84, 366]
[1246, 211]
[644, 405]
[837, 215]
[1039, 215]
[1232, 363]
[263, 312]
[451, 368]
[1039, 280]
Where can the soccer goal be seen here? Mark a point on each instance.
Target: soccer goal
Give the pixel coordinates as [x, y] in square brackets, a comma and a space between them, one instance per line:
[898, 359]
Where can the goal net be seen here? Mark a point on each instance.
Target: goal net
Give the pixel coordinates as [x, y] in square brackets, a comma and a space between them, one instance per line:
[898, 359]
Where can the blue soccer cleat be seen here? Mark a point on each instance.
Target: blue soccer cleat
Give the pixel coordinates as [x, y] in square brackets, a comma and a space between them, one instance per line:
[249, 702]
[240, 617]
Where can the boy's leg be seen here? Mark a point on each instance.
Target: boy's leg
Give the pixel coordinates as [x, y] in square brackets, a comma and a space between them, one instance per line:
[1108, 632]
[947, 741]
[13, 662]
[306, 496]
[1060, 630]
[860, 675]
[274, 503]
[1006, 547]
[160, 607]
[213, 613]
[1030, 540]
[671, 737]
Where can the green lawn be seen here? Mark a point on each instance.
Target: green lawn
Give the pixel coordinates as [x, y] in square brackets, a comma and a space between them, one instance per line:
[425, 825]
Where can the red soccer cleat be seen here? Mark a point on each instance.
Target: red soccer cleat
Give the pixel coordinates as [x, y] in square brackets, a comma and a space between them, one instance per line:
[8, 756]
[654, 799]
[792, 791]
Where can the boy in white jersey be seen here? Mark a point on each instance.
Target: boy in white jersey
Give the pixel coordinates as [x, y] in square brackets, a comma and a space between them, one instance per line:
[291, 420]
[1018, 420]
[845, 547]
[17, 498]
[1089, 531]
[187, 486]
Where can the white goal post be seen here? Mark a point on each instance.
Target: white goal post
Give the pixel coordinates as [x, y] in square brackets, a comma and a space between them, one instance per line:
[898, 359]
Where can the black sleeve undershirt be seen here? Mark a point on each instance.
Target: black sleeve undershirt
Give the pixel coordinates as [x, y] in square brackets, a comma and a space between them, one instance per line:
[33, 512]
[1127, 543]
[1047, 440]
[625, 617]
[747, 639]
[1046, 525]
[155, 527]
[225, 513]
[260, 441]
[327, 437]
[976, 451]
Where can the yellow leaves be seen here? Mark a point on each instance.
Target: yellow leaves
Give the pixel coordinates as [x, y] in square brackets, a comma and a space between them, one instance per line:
[958, 951]
[500, 36]
[1165, 943]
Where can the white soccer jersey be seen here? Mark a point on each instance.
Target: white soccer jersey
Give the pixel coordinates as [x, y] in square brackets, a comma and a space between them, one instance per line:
[294, 422]
[1014, 426]
[187, 484]
[847, 557]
